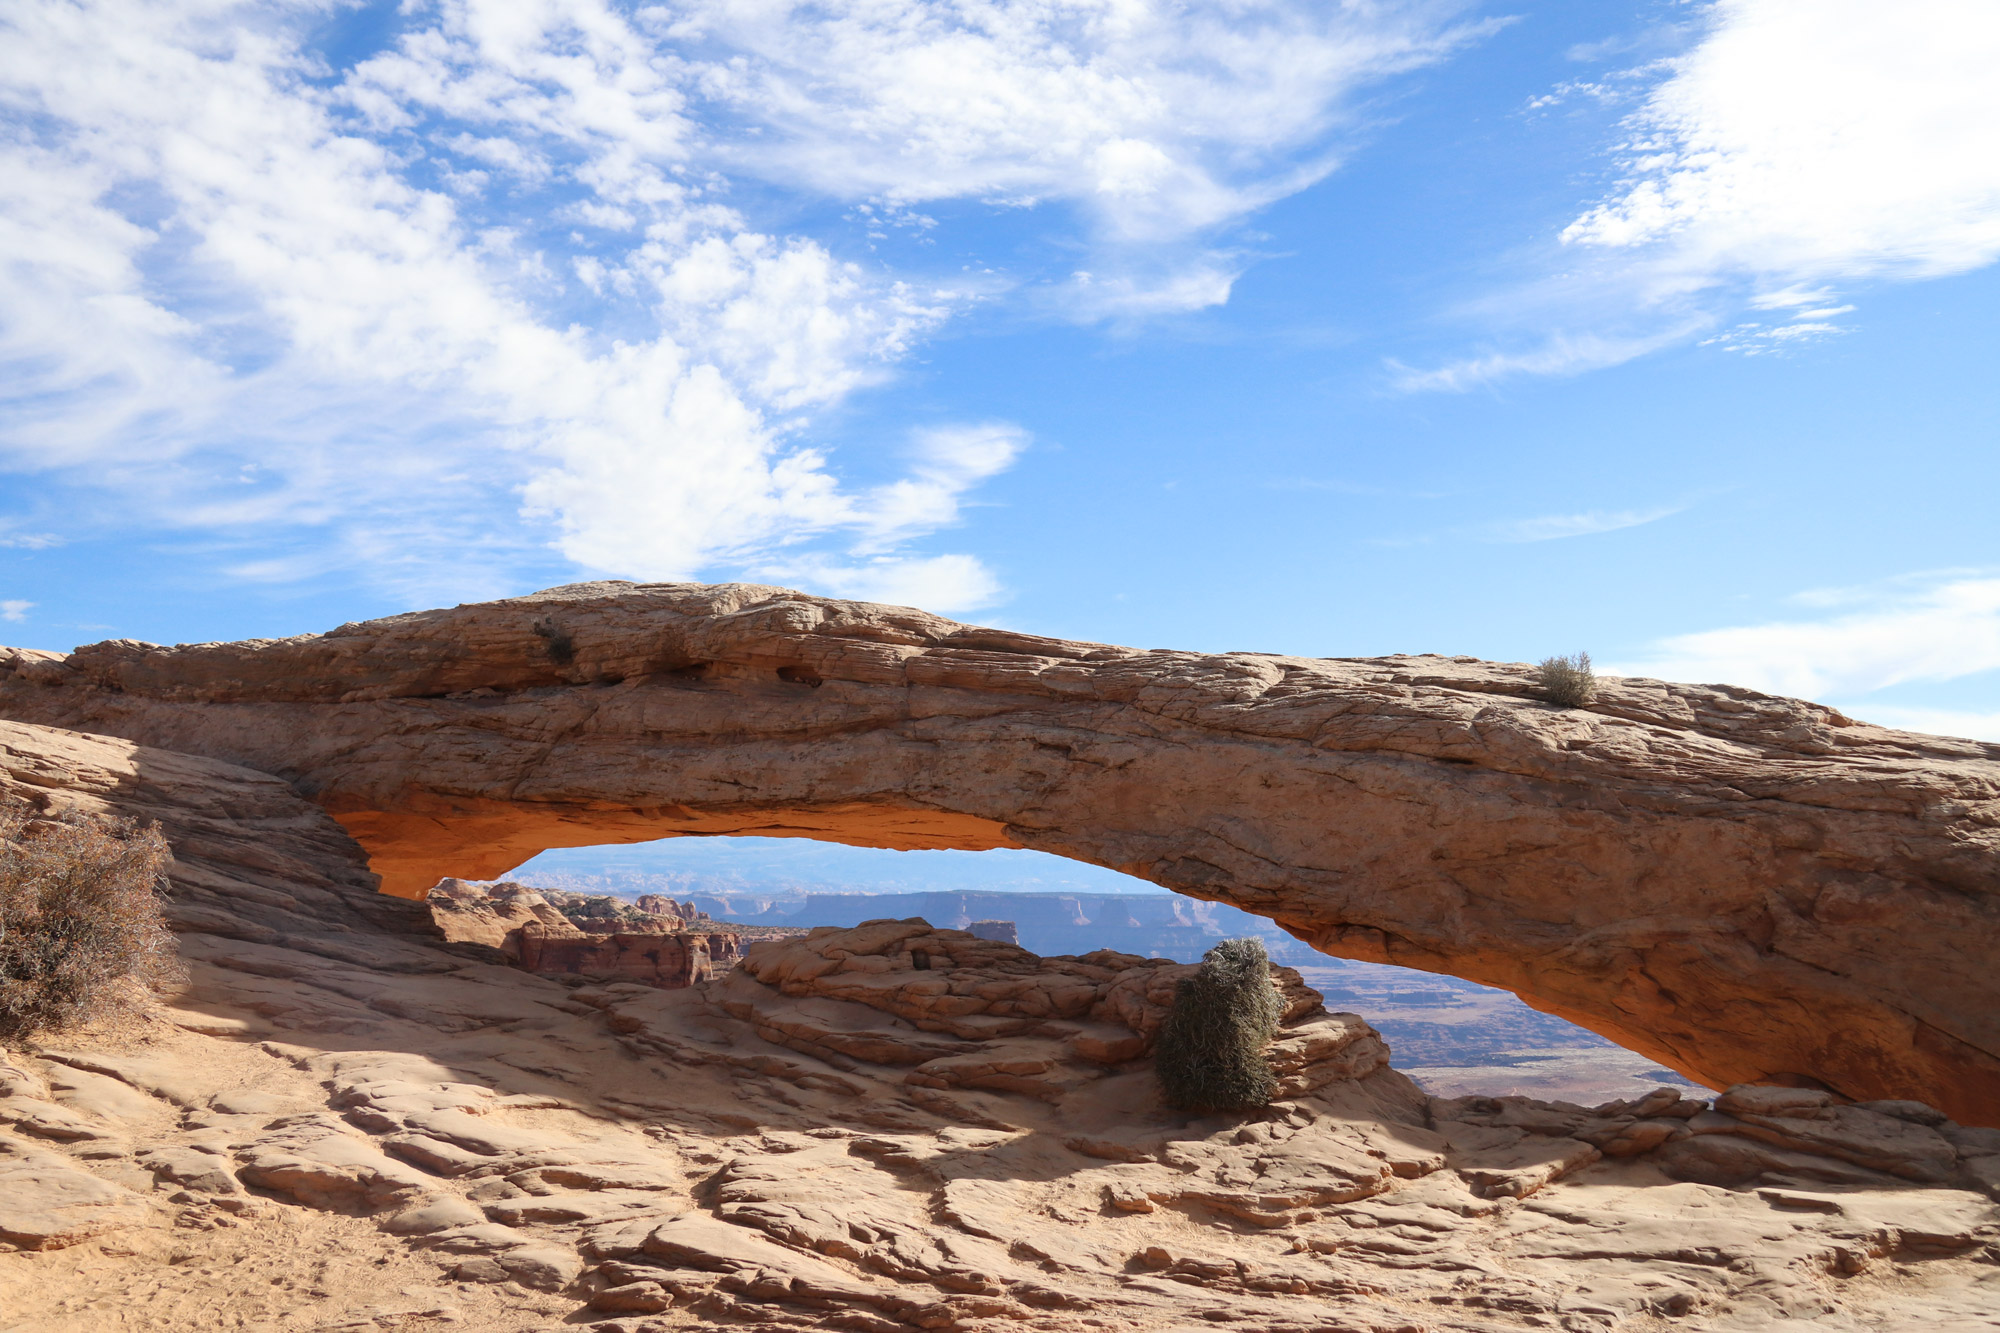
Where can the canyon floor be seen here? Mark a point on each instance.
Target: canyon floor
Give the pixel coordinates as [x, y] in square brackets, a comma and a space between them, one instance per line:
[1457, 1038]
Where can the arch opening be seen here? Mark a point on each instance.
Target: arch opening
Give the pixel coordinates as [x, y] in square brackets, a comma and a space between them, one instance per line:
[1454, 1036]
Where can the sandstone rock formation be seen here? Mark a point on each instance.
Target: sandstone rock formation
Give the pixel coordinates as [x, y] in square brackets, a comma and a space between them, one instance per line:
[1744, 888]
[656, 942]
[349, 1123]
[665, 959]
[493, 914]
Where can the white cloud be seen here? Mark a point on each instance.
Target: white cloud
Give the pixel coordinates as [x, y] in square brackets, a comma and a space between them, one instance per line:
[948, 462]
[1934, 628]
[951, 584]
[1936, 721]
[1793, 148]
[1806, 140]
[1558, 354]
[14, 609]
[1550, 527]
[373, 311]
[1161, 120]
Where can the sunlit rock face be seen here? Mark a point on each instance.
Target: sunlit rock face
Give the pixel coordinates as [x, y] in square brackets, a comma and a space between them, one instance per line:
[894, 1126]
[1744, 888]
[494, 914]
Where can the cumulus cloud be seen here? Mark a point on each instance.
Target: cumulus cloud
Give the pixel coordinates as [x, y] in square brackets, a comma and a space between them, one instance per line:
[500, 269]
[1921, 629]
[1830, 139]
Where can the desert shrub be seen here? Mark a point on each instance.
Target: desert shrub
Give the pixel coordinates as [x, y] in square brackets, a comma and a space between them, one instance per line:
[1210, 1053]
[1568, 681]
[79, 912]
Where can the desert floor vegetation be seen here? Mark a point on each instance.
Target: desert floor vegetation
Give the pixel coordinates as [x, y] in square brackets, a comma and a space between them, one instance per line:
[81, 928]
[1568, 681]
[1211, 1048]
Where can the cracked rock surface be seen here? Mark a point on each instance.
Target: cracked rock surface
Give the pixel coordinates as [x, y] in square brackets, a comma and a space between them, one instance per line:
[1747, 889]
[347, 1123]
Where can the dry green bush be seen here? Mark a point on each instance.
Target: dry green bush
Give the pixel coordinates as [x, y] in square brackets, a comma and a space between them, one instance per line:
[1210, 1054]
[1568, 681]
[79, 914]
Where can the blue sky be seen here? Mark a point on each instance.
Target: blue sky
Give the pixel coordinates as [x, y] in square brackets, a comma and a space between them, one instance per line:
[1661, 330]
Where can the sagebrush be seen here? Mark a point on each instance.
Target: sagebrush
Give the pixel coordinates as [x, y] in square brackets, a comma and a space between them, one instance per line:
[1568, 681]
[80, 903]
[1210, 1053]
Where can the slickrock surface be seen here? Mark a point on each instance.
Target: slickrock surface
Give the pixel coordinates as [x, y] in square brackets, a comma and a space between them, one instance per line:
[348, 1123]
[1745, 888]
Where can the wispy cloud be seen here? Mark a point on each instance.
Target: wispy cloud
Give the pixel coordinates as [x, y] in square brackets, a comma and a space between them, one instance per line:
[1786, 152]
[953, 584]
[500, 270]
[1555, 354]
[1920, 628]
[14, 609]
[1551, 527]
[1937, 721]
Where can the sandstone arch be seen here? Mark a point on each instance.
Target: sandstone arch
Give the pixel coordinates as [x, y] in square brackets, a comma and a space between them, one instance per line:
[1745, 888]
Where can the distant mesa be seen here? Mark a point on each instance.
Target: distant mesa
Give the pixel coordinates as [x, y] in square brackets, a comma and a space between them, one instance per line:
[1154, 925]
[1746, 889]
[1003, 932]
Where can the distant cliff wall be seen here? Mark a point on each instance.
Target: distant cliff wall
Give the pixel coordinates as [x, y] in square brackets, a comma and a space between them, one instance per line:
[1152, 925]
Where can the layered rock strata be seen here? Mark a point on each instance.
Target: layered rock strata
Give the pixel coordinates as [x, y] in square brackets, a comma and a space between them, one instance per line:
[666, 960]
[349, 1123]
[1742, 887]
[494, 914]
[577, 935]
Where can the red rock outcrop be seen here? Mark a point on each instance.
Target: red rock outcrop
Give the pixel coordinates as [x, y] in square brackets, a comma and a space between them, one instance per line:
[493, 914]
[668, 960]
[1744, 888]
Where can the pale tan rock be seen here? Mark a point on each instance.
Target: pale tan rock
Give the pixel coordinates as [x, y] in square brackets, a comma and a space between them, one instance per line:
[323, 1164]
[1851, 1134]
[427, 1216]
[46, 1203]
[47, 1120]
[204, 1171]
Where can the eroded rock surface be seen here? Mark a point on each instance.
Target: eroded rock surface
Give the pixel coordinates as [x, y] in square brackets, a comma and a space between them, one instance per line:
[1745, 888]
[493, 914]
[347, 1124]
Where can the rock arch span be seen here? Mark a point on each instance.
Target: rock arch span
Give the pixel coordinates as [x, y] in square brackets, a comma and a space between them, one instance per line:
[1742, 887]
